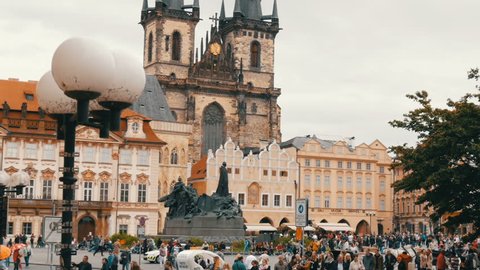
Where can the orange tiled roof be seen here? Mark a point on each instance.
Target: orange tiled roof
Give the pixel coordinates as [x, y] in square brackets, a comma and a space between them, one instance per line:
[14, 92]
[199, 170]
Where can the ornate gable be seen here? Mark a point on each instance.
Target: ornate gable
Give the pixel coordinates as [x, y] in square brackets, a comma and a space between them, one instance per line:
[11, 170]
[31, 171]
[143, 179]
[88, 175]
[105, 176]
[48, 174]
[126, 178]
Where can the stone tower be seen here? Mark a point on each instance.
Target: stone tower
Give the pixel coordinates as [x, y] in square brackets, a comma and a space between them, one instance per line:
[225, 88]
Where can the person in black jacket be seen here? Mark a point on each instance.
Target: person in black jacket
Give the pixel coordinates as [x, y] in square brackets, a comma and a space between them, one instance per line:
[84, 265]
[390, 260]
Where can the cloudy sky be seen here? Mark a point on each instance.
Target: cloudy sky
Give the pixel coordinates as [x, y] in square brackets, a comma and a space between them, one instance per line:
[344, 66]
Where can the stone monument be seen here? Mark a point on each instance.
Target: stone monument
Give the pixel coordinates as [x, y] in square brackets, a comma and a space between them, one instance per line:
[214, 218]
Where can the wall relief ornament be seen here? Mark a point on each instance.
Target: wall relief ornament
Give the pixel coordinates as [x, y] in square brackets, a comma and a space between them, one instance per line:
[125, 177]
[48, 174]
[142, 178]
[105, 176]
[88, 175]
[11, 170]
[31, 171]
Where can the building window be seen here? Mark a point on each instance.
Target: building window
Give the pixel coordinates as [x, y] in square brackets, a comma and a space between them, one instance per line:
[349, 202]
[276, 200]
[150, 47]
[125, 156]
[12, 150]
[124, 192]
[241, 198]
[340, 164]
[368, 203]
[349, 183]
[143, 157]
[10, 228]
[105, 155]
[318, 180]
[318, 163]
[255, 54]
[31, 151]
[135, 127]
[382, 169]
[28, 193]
[349, 165]
[284, 173]
[327, 201]
[307, 162]
[326, 182]
[359, 165]
[288, 201]
[142, 193]
[327, 163]
[26, 228]
[237, 171]
[87, 191]
[49, 151]
[103, 191]
[123, 229]
[176, 46]
[382, 204]
[47, 190]
[307, 180]
[274, 173]
[359, 203]
[382, 186]
[174, 157]
[88, 154]
[369, 166]
[264, 199]
[265, 172]
[317, 202]
[368, 183]
[339, 183]
[359, 184]
[339, 201]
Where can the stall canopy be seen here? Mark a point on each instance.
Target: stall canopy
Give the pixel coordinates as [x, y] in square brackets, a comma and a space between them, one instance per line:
[293, 227]
[257, 227]
[335, 227]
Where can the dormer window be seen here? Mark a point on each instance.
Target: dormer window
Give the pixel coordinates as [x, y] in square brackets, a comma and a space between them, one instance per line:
[29, 97]
[135, 127]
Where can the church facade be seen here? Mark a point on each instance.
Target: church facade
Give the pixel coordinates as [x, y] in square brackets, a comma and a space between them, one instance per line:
[226, 87]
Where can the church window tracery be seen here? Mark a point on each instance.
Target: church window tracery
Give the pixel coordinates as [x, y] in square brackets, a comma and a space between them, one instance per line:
[176, 46]
[213, 127]
[150, 47]
[174, 157]
[255, 54]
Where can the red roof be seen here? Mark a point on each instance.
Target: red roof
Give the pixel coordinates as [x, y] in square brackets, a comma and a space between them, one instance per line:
[199, 170]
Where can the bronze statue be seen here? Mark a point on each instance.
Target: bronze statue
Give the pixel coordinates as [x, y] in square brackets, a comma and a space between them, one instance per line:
[222, 188]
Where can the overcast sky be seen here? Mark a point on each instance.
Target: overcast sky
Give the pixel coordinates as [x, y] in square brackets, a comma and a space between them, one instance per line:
[344, 66]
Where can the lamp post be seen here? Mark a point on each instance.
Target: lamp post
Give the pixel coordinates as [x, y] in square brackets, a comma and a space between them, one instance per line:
[370, 214]
[85, 77]
[9, 184]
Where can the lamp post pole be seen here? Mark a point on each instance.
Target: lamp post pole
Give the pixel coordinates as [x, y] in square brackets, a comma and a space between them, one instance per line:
[68, 179]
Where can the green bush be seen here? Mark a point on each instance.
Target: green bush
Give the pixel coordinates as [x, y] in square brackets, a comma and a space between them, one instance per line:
[196, 242]
[129, 239]
[238, 246]
[282, 240]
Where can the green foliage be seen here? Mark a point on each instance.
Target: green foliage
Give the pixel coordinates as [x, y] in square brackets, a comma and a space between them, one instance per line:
[129, 239]
[196, 242]
[282, 240]
[238, 246]
[444, 164]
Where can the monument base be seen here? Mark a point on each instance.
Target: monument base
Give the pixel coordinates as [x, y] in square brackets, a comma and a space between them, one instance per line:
[209, 228]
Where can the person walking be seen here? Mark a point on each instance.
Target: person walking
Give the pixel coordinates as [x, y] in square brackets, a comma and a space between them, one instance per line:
[113, 261]
[238, 263]
[441, 261]
[356, 264]
[104, 264]
[403, 260]
[281, 264]
[378, 260]
[368, 261]
[125, 259]
[27, 252]
[84, 265]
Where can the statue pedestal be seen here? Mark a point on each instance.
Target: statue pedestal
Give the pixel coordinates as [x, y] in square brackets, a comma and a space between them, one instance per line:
[209, 228]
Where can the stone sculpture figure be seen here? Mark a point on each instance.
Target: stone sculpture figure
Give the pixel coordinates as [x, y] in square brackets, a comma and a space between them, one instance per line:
[5, 108]
[24, 110]
[222, 188]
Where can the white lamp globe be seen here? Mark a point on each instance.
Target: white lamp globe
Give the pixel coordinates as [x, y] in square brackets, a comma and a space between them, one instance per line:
[52, 99]
[4, 179]
[20, 178]
[128, 83]
[83, 68]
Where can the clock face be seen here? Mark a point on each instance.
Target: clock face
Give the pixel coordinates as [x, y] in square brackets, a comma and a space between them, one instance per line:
[215, 48]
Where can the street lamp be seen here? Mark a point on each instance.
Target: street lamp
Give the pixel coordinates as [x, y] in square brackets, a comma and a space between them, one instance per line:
[85, 76]
[370, 214]
[9, 184]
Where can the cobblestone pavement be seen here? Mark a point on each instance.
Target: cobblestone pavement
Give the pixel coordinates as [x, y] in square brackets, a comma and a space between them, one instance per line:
[40, 260]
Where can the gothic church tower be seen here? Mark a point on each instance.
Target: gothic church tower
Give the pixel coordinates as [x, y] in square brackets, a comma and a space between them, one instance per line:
[225, 88]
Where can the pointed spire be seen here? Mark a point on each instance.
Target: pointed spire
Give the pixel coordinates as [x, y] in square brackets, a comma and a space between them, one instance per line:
[238, 9]
[176, 4]
[275, 10]
[206, 40]
[145, 5]
[201, 48]
[222, 11]
[196, 4]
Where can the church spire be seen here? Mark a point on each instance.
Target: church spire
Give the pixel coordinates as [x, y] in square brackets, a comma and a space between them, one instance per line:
[176, 4]
[196, 4]
[238, 9]
[222, 11]
[275, 11]
[145, 5]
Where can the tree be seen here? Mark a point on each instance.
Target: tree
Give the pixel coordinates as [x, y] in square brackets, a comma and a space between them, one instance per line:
[444, 164]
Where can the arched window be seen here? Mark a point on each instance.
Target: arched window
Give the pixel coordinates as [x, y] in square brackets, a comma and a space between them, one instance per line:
[213, 127]
[150, 47]
[176, 46]
[255, 54]
[174, 157]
